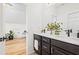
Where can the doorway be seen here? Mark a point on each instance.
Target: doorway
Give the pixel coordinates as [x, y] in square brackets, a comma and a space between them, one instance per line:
[14, 28]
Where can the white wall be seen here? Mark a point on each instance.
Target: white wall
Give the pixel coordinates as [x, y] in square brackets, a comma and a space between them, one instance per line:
[48, 12]
[2, 48]
[15, 13]
[1, 21]
[34, 23]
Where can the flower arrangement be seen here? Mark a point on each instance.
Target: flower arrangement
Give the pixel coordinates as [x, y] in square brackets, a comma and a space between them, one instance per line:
[54, 27]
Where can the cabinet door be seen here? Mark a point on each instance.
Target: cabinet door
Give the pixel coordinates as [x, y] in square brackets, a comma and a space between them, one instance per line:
[46, 47]
[45, 53]
[71, 48]
[58, 51]
[39, 47]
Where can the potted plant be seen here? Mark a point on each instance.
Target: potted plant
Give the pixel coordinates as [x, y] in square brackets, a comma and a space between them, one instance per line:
[54, 27]
[57, 28]
[11, 35]
[50, 27]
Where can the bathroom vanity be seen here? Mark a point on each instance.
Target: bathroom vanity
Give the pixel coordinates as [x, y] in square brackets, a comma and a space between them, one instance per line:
[56, 44]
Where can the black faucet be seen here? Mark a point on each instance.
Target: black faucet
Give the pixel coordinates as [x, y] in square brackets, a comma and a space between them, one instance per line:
[68, 32]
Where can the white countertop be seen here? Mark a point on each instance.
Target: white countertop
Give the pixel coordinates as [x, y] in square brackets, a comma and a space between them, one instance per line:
[63, 38]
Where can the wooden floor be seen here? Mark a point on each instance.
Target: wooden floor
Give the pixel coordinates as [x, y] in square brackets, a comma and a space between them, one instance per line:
[16, 47]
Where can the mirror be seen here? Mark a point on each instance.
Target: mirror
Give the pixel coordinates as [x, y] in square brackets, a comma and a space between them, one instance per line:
[73, 22]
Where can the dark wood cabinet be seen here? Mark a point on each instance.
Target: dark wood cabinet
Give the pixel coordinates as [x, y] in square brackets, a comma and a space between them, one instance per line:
[50, 46]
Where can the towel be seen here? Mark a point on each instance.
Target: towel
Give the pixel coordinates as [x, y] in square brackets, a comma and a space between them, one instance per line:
[36, 44]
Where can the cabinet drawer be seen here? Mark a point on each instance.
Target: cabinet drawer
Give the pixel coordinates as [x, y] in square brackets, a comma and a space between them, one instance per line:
[62, 52]
[46, 39]
[37, 36]
[57, 52]
[46, 47]
[74, 49]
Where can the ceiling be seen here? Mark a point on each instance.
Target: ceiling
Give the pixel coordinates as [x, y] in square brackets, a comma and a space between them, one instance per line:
[14, 13]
